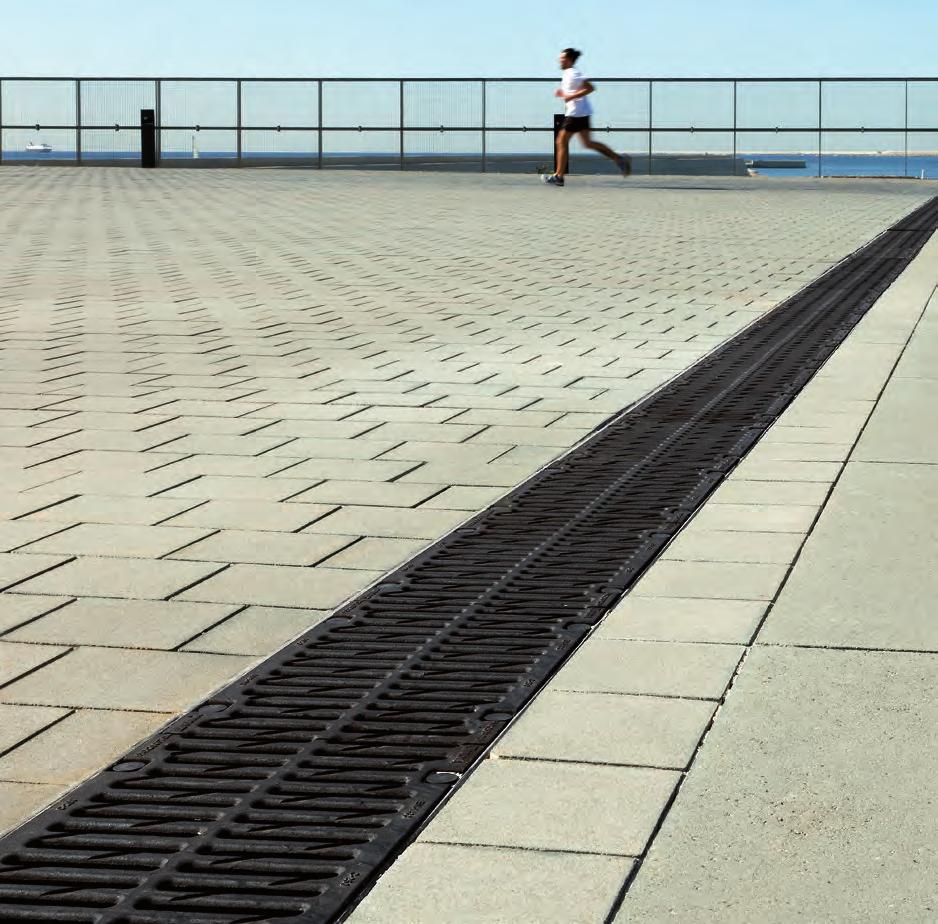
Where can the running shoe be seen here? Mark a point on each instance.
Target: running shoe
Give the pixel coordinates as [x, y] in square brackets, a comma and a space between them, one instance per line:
[625, 164]
[551, 179]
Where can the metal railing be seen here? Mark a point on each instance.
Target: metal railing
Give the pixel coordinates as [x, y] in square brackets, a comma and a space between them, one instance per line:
[699, 125]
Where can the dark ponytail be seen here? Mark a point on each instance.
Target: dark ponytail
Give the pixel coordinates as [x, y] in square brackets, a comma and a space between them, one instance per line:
[572, 54]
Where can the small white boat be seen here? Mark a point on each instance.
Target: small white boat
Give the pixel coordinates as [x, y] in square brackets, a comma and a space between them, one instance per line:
[39, 147]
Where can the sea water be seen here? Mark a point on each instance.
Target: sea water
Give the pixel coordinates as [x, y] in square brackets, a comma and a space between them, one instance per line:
[832, 165]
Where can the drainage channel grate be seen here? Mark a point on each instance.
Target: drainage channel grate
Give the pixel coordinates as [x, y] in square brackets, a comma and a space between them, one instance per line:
[283, 797]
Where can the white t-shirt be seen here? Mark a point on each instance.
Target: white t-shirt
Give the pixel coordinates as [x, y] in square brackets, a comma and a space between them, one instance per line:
[572, 81]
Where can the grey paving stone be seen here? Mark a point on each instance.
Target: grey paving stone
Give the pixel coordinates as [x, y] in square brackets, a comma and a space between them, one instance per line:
[377, 554]
[20, 722]
[491, 885]
[17, 533]
[17, 660]
[464, 498]
[134, 579]
[229, 466]
[256, 515]
[756, 518]
[650, 668]
[794, 493]
[542, 805]
[699, 544]
[264, 548]
[810, 800]
[16, 609]
[106, 508]
[16, 567]
[711, 580]
[238, 487]
[115, 678]
[77, 746]
[391, 522]
[122, 623]
[362, 493]
[272, 585]
[873, 543]
[920, 360]
[608, 729]
[14, 503]
[121, 541]
[799, 448]
[758, 470]
[217, 444]
[676, 619]
[895, 432]
[350, 469]
[257, 630]
[18, 801]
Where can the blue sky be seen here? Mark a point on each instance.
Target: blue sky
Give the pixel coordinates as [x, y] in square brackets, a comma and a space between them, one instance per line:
[484, 38]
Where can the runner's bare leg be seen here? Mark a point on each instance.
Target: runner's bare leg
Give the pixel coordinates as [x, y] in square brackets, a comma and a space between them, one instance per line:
[597, 146]
[563, 152]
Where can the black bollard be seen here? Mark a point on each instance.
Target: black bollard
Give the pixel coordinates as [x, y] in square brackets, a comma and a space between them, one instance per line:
[147, 138]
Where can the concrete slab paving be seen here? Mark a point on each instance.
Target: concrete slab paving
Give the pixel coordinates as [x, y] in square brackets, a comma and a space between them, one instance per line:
[608, 729]
[874, 542]
[114, 678]
[78, 744]
[813, 799]
[19, 801]
[122, 623]
[677, 619]
[256, 630]
[493, 885]
[684, 669]
[17, 723]
[244, 411]
[896, 433]
[712, 579]
[696, 544]
[544, 805]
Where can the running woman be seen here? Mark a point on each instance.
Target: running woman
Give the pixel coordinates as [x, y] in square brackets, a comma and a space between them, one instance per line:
[574, 91]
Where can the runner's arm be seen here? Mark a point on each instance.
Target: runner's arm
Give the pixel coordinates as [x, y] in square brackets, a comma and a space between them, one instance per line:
[585, 90]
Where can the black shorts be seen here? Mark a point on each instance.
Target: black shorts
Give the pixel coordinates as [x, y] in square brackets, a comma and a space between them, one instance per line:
[574, 124]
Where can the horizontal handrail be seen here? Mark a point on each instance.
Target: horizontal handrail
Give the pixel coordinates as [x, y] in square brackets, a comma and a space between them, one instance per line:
[814, 79]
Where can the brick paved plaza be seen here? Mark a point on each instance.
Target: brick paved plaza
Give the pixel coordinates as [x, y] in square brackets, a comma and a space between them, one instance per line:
[232, 400]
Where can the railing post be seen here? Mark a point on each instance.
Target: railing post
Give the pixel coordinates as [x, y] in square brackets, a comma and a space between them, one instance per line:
[1, 121]
[820, 126]
[735, 122]
[484, 160]
[735, 146]
[906, 132]
[78, 121]
[401, 91]
[319, 122]
[158, 100]
[651, 121]
[238, 91]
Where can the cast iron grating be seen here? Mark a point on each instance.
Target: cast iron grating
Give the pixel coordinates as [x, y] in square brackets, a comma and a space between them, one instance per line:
[283, 797]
